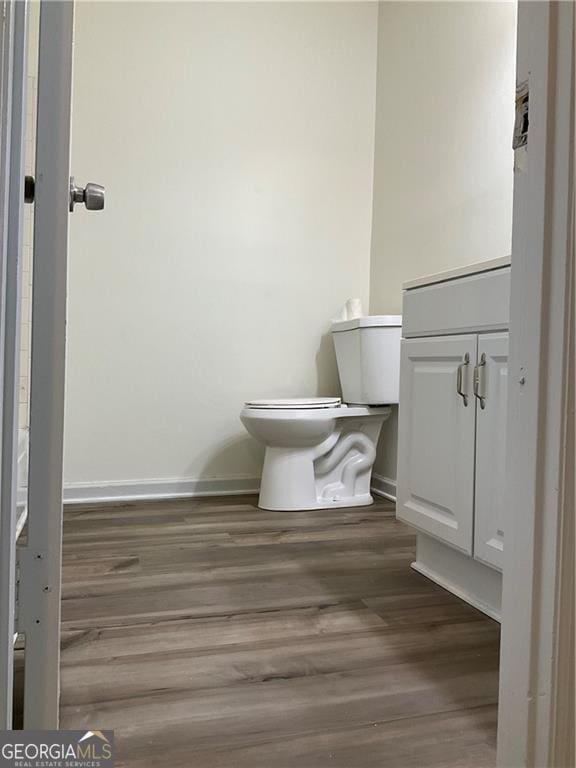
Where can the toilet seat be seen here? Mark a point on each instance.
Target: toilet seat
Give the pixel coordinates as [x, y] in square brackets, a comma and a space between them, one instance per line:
[295, 403]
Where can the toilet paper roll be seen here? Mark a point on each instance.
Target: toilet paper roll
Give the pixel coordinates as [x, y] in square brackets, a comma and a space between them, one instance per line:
[353, 309]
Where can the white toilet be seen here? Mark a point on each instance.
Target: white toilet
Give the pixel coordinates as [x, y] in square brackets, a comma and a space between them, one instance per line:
[320, 451]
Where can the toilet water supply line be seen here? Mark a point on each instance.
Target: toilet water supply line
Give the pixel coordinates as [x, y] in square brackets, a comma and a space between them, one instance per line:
[334, 449]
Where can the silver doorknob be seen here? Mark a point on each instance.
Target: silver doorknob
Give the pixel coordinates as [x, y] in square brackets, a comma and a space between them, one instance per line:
[92, 195]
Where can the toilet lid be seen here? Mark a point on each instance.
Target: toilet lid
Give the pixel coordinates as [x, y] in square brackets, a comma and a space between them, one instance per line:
[300, 403]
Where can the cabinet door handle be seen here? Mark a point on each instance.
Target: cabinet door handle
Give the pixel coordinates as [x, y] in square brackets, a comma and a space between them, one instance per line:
[460, 377]
[480, 381]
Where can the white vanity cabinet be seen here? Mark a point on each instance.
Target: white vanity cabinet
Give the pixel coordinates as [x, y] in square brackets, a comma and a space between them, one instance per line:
[436, 442]
[451, 433]
[489, 487]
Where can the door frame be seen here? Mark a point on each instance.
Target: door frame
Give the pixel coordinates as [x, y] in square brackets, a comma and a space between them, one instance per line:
[538, 587]
[40, 561]
[13, 108]
[30, 574]
[7, 521]
[536, 599]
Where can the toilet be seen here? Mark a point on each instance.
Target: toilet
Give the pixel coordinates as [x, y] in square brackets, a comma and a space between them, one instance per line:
[320, 450]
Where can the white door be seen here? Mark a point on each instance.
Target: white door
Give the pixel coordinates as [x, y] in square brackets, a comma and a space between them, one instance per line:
[12, 108]
[491, 388]
[436, 438]
[38, 561]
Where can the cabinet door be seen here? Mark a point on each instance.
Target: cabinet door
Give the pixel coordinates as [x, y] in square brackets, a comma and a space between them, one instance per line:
[492, 387]
[436, 438]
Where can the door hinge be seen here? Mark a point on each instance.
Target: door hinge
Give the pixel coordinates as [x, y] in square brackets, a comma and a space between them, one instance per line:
[17, 593]
[33, 586]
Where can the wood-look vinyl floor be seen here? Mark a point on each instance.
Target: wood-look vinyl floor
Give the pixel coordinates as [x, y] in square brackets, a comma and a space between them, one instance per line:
[211, 634]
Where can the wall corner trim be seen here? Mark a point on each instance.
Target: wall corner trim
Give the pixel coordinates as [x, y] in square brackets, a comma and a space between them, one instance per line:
[384, 486]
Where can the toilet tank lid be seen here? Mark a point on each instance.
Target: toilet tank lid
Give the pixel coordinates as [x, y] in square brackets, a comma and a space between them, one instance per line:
[369, 321]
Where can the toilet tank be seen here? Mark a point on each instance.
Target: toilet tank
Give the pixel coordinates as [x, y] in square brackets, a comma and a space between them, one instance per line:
[368, 356]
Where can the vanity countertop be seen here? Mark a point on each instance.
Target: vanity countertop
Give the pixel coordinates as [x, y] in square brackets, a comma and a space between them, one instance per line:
[453, 274]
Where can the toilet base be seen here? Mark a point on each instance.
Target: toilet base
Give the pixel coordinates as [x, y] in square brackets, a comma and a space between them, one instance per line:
[365, 500]
[316, 459]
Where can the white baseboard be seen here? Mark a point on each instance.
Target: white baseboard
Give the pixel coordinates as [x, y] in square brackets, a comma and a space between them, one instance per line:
[383, 486]
[169, 488]
[183, 488]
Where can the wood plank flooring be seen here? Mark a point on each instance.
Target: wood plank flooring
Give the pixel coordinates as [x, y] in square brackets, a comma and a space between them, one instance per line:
[211, 634]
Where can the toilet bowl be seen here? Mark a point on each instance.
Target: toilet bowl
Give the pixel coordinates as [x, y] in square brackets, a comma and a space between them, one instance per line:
[319, 452]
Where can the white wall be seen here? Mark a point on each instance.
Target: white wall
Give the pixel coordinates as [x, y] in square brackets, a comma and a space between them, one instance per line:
[443, 159]
[236, 145]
